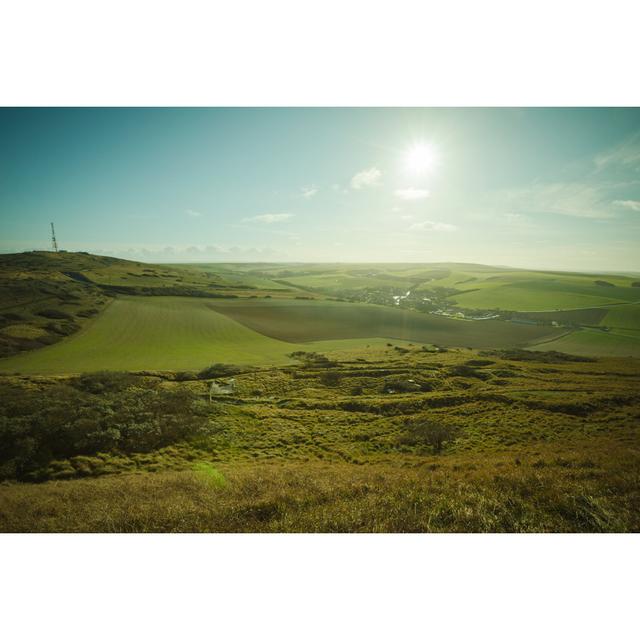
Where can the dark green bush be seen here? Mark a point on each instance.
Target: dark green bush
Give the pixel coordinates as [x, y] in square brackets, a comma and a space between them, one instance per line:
[219, 370]
[421, 431]
[62, 421]
[55, 314]
[400, 386]
[329, 378]
[104, 381]
[184, 376]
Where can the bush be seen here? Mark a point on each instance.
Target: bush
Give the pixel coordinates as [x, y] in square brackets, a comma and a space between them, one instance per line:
[185, 376]
[400, 386]
[550, 357]
[313, 359]
[464, 371]
[55, 314]
[420, 431]
[330, 378]
[104, 382]
[62, 421]
[219, 370]
[87, 313]
[479, 363]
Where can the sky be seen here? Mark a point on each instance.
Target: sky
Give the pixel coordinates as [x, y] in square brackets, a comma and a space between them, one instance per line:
[537, 188]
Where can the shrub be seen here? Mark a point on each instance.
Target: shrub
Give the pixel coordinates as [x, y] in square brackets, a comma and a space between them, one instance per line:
[329, 378]
[219, 370]
[62, 328]
[479, 363]
[551, 357]
[400, 386]
[465, 371]
[87, 313]
[62, 421]
[104, 381]
[185, 376]
[313, 359]
[54, 314]
[13, 317]
[419, 431]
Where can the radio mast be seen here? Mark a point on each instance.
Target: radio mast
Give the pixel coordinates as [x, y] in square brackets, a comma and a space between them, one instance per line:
[53, 239]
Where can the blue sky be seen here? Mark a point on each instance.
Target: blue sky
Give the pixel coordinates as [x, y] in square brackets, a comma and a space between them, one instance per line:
[547, 188]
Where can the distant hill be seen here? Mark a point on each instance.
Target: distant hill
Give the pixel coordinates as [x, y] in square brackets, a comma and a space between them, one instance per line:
[46, 296]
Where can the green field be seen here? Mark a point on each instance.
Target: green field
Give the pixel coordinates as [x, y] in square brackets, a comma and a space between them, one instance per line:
[153, 333]
[543, 291]
[174, 333]
[623, 317]
[303, 321]
[185, 316]
[590, 342]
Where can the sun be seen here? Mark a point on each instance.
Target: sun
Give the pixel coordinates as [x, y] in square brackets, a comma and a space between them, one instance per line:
[420, 158]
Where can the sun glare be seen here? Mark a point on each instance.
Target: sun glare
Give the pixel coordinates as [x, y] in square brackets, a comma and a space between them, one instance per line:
[420, 158]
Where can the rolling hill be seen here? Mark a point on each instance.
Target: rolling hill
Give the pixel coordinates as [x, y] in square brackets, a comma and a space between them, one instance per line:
[76, 311]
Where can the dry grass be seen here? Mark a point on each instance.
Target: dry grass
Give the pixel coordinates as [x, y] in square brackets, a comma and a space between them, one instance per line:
[539, 446]
[463, 494]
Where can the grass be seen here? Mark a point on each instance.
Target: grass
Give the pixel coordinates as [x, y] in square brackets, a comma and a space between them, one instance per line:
[545, 294]
[137, 333]
[623, 317]
[543, 443]
[503, 496]
[596, 343]
[175, 333]
[48, 297]
[302, 321]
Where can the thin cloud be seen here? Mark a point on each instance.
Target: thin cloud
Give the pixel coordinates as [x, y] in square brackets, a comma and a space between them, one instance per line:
[429, 225]
[269, 218]
[575, 199]
[367, 178]
[193, 214]
[627, 153]
[308, 192]
[411, 193]
[634, 205]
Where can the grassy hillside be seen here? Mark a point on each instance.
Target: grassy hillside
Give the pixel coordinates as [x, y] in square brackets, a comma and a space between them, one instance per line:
[616, 342]
[153, 333]
[623, 317]
[181, 333]
[47, 296]
[540, 291]
[394, 440]
[61, 298]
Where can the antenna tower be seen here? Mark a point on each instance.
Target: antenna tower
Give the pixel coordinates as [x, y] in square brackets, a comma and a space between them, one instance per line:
[53, 239]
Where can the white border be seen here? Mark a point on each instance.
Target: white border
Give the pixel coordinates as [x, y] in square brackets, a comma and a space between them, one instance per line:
[401, 53]
[335, 52]
[319, 586]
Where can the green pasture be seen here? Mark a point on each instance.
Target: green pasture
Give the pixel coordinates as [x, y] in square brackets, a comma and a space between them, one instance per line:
[625, 316]
[546, 293]
[176, 333]
[593, 342]
[313, 320]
